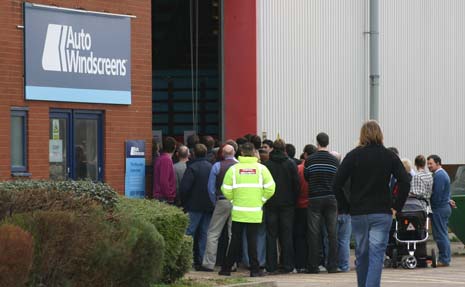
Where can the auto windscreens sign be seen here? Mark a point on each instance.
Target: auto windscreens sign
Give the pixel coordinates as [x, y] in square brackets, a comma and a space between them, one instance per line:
[72, 56]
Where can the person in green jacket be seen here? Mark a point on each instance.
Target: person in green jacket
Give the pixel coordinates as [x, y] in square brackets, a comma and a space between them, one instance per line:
[248, 184]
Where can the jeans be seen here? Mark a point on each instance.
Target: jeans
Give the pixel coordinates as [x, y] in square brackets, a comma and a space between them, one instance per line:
[440, 232]
[300, 238]
[198, 224]
[344, 231]
[318, 209]
[279, 224]
[371, 234]
[235, 246]
[261, 246]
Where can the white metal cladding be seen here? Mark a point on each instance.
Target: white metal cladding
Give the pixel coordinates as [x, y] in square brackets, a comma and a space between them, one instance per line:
[312, 70]
[422, 67]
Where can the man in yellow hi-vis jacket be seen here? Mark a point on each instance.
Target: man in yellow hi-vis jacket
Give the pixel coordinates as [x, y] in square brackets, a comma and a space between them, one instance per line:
[248, 184]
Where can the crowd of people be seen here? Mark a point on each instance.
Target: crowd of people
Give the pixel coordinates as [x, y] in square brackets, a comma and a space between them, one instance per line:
[252, 202]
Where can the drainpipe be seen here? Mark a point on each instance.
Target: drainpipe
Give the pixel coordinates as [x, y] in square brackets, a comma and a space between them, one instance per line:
[374, 60]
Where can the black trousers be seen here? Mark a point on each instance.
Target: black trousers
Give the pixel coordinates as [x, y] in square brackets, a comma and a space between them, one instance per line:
[279, 226]
[235, 247]
[324, 208]
[300, 238]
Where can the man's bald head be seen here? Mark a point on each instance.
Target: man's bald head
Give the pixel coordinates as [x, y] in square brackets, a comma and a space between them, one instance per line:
[228, 150]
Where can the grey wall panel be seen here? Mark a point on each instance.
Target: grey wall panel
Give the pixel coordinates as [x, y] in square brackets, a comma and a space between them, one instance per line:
[312, 70]
[422, 67]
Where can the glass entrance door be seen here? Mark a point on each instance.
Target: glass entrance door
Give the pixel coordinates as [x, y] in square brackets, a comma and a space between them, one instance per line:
[76, 145]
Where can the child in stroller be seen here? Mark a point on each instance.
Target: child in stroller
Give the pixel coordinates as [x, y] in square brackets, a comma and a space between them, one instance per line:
[408, 236]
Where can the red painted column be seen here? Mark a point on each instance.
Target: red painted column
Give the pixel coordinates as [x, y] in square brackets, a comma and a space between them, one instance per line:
[240, 68]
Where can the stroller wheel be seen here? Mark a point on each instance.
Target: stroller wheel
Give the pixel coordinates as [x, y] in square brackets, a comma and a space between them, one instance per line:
[434, 259]
[409, 262]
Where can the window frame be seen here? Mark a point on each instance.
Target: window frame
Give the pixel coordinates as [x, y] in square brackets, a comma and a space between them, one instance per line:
[20, 112]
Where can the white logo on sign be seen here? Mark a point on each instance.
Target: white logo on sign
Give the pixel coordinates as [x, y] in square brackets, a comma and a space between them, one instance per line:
[410, 227]
[69, 51]
[135, 151]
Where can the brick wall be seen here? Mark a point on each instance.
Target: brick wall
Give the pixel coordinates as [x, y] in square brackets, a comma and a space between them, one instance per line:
[120, 122]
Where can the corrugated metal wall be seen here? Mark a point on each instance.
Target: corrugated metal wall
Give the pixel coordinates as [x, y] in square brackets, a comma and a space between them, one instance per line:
[312, 70]
[422, 67]
[313, 73]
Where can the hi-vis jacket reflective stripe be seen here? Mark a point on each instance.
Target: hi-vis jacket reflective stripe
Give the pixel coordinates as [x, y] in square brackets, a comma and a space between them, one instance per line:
[248, 184]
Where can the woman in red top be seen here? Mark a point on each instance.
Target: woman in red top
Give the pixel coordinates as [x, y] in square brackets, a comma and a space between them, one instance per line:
[300, 218]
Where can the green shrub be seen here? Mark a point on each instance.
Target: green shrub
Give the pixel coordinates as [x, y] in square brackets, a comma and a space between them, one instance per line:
[86, 250]
[183, 261]
[136, 257]
[16, 250]
[97, 191]
[171, 222]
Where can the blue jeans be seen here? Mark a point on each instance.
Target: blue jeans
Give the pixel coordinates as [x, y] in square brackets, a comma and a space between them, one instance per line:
[198, 224]
[344, 231]
[440, 232]
[261, 246]
[371, 234]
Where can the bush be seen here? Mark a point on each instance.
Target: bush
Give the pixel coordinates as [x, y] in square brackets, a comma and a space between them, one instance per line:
[184, 260]
[16, 250]
[85, 250]
[99, 192]
[171, 222]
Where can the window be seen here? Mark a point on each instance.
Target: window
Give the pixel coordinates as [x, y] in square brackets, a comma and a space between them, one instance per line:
[18, 140]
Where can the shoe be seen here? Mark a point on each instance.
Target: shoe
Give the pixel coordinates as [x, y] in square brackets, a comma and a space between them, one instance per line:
[224, 273]
[442, 264]
[276, 272]
[313, 271]
[302, 270]
[332, 270]
[257, 274]
[203, 269]
[342, 270]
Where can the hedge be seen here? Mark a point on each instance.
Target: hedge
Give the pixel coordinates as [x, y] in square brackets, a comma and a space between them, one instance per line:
[16, 249]
[75, 250]
[171, 222]
[27, 195]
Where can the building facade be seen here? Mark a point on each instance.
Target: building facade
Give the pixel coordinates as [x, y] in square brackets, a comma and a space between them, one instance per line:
[69, 116]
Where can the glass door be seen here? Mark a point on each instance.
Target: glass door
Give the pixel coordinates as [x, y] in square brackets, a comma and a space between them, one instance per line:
[88, 146]
[76, 145]
[58, 146]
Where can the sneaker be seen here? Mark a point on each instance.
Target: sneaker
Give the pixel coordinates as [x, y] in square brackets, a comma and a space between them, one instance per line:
[224, 273]
[203, 269]
[343, 270]
[442, 264]
[257, 274]
[322, 268]
[302, 270]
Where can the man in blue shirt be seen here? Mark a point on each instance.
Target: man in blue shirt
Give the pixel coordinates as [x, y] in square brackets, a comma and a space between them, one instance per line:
[441, 206]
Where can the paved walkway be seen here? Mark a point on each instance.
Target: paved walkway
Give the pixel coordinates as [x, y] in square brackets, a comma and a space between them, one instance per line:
[437, 277]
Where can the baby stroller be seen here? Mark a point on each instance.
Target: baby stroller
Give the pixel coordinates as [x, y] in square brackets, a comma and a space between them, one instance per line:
[409, 233]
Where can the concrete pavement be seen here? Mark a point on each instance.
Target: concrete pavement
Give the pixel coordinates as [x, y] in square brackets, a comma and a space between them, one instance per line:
[437, 277]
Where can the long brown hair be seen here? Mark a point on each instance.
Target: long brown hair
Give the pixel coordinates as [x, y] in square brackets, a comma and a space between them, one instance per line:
[371, 133]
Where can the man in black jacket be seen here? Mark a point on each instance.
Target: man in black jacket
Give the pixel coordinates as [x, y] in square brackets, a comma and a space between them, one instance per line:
[369, 167]
[279, 210]
[195, 199]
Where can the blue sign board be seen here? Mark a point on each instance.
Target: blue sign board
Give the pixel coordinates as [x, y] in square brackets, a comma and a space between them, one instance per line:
[135, 169]
[71, 56]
